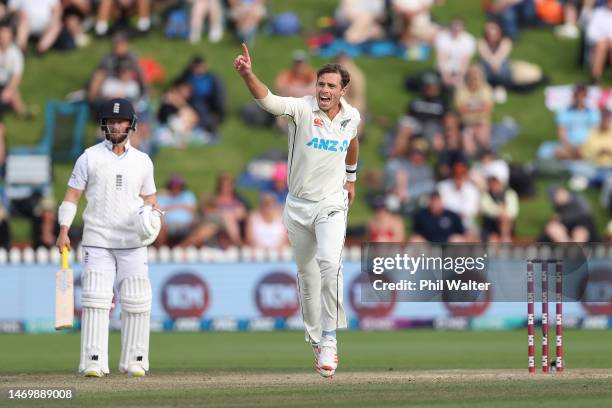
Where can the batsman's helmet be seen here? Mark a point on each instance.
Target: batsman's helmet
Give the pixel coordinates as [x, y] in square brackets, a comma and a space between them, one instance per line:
[117, 108]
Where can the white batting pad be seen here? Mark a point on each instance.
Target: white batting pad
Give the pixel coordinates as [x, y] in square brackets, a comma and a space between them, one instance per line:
[135, 319]
[96, 298]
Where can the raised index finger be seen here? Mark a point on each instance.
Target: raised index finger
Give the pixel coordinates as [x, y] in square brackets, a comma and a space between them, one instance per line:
[245, 51]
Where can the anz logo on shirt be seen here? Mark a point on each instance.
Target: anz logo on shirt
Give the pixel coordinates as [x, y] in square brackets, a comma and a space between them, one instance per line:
[328, 144]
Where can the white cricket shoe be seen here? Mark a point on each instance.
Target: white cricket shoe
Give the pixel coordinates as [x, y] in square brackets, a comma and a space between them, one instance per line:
[93, 371]
[328, 356]
[136, 371]
[316, 350]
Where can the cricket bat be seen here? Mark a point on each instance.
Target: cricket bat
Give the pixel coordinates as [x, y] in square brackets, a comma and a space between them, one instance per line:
[64, 295]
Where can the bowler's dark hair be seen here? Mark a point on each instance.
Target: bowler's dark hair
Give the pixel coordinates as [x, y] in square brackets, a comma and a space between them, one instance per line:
[345, 77]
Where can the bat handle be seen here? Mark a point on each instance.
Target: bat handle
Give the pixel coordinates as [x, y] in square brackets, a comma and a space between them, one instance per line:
[64, 258]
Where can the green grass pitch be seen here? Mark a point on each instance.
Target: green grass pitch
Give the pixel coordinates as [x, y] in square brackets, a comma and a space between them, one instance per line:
[408, 368]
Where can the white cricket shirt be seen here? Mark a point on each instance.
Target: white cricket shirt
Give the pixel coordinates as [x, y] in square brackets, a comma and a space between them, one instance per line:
[317, 145]
[113, 188]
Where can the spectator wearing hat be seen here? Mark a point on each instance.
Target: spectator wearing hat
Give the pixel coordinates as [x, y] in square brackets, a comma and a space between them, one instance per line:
[437, 224]
[460, 195]
[278, 183]
[179, 205]
[489, 163]
[299, 79]
[207, 93]
[499, 206]
[265, 227]
[385, 226]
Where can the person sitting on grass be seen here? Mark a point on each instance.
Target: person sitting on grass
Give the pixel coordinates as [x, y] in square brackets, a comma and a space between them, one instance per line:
[436, 224]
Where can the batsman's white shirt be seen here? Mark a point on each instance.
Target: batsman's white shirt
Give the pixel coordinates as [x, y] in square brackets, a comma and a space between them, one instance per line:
[113, 188]
[317, 145]
[316, 209]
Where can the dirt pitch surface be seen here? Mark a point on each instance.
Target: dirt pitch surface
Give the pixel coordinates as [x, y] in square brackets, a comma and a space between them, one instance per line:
[224, 380]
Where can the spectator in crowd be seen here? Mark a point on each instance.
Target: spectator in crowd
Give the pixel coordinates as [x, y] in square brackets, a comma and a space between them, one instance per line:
[512, 15]
[122, 10]
[209, 228]
[474, 102]
[494, 50]
[5, 223]
[124, 85]
[574, 11]
[423, 119]
[460, 195]
[265, 227]
[179, 205]
[247, 15]
[436, 224]
[428, 108]
[356, 92]
[73, 34]
[499, 206]
[206, 9]
[599, 39]
[452, 146]
[299, 79]
[207, 94]
[454, 50]
[11, 72]
[598, 147]
[120, 56]
[489, 163]
[176, 114]
[278, 183]
[40, 18]
[385, 226]
[231, 207]
[416, 21]
[361, 20]
[44, 224]
[409, 178]
[573, 219]
[574, 125]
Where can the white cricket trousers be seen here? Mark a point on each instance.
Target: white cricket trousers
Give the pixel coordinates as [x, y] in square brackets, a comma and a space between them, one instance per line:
[316, 231]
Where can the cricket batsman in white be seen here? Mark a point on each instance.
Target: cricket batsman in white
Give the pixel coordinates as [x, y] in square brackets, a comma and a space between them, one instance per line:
[122, 217]
[322, 170]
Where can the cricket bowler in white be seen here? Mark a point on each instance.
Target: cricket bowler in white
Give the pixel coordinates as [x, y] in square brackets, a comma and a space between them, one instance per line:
[121, 218]
[322, 165]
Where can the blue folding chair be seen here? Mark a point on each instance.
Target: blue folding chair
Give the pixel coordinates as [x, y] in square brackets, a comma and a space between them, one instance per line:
[64, 132]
